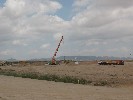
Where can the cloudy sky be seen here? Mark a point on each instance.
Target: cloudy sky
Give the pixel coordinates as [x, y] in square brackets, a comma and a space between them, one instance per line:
[32, 28]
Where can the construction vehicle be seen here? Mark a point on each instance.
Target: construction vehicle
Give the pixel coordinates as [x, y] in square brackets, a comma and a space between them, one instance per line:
[111, 62]
[54, 62]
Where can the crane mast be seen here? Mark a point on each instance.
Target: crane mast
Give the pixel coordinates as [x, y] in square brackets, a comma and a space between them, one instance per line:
[55, 53]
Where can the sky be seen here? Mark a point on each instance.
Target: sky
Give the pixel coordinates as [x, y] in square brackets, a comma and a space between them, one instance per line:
[33, 28]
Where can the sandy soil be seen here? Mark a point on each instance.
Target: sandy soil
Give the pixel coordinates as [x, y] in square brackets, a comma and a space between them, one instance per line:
[12, 88]
[115, 75]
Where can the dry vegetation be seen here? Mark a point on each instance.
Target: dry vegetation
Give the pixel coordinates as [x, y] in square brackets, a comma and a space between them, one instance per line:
[84, 73]
[119, 77]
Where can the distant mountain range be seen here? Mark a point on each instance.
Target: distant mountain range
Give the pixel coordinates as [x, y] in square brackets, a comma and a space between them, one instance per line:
[86, 58]
[79, 58]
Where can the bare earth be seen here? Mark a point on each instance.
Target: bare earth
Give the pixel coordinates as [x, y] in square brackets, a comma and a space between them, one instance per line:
[119, 78]
[12, 88]
[114, 75]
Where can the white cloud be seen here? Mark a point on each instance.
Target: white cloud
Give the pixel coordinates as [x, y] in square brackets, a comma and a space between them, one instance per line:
[121, 49]
[18, 42]
[7, 52]
[113, 3]
[45, 45]
[18, 8]
[92, 42]
[98, 26]
[13, 8]
[80, 2]
[19, 22]
[58, 36]
[33, 52]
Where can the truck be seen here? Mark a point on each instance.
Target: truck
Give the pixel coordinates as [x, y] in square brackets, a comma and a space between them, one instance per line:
[111, 62]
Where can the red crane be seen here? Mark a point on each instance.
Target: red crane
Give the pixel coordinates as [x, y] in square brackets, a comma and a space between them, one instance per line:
[53, 58]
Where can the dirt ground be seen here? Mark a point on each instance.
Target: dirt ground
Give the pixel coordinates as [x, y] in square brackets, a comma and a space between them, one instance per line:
[13, 88]
[119, 78]
[114, 75]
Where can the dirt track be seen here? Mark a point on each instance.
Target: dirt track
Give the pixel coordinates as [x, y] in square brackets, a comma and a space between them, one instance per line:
[29, 89]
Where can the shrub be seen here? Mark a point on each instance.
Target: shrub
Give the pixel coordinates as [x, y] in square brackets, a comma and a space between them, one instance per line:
[48, 77]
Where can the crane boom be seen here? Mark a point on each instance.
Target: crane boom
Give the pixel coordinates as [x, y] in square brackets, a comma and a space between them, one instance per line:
[55, 53]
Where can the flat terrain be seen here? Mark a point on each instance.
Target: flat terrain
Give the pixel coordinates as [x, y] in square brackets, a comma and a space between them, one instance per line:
[118, 77]
[114, 75]
[12, 88]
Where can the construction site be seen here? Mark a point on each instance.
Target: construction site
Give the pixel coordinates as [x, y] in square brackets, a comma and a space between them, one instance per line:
[110, 72]
[115, 74]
